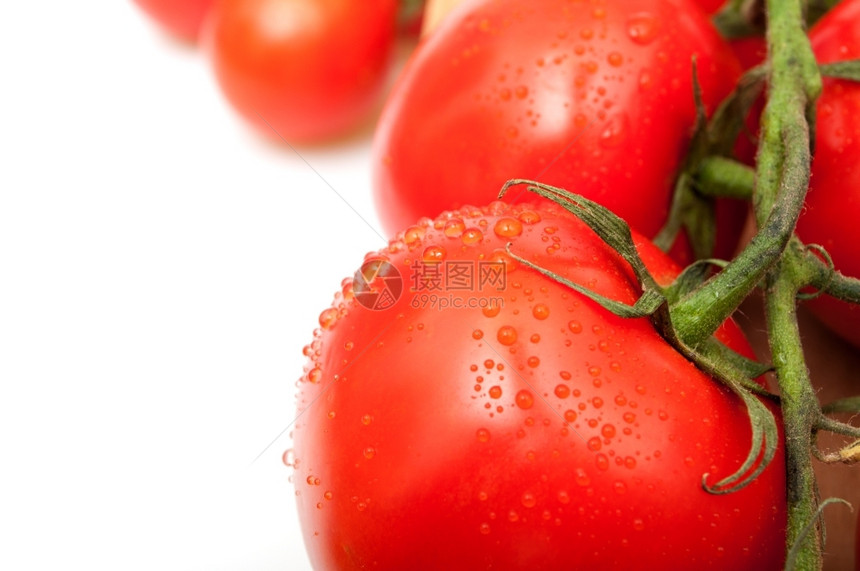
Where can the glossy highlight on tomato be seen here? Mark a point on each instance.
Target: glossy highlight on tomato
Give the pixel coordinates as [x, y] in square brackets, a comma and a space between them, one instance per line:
[302, 70]
[183, 18]
[503, 421]
[833, 201]
[596, 97]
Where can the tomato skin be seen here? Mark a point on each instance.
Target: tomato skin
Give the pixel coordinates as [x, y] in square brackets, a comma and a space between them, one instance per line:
[432, 438]
[182, 18]
[833, 201]
[596, 99]
[301, 70]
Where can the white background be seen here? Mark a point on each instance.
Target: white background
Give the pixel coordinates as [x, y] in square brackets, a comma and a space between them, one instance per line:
[161, 268]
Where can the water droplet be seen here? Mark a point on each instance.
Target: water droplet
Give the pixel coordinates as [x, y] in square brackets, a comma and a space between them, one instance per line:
[608, 431]
[524, 399]
[615, 59]
[620, 400]
[477, 334]
[535, 338]
[529, 217]
[533, 362]
[638, 524]
[642, 28]
[601, 461]
[332, 414]
[513, 516]
[581, 477]
[495, 392]
[586, 33]
[483, 435]
[492, 310]
[484, 529]
[575, 327]
[564, 375]
[472, 236]
[570, 415]
[289, 458]
[521, 92]
[328, 318]
[597, 402]
[594, 444]
[615, 131]
[434, 254]
[629, 417]
[413, 234]
[369, 452]
[366, 420]
[662, 415]
[529, 500]
[489, 364]
[328, 495]
[454, 228]
[314, 375]
[507, 335]
[594, 371]
[562, 391]
[540, 311]
[630, 462]
[508, 227]
[563, 497]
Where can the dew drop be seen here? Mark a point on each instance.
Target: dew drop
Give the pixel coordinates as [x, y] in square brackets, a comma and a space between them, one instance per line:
[412, 235]
[563, 497]
[495, 392]
[562, 392]
[484, 529]
[508, 227]
[472, 236]
[521, 92]
[540, 311]
[615, 59]
[289, 458]
[615, 131]
[507, 335]
[529, 500]
[454, 228]
[366, 420]
[434, 254]
[570, 415]
[524, 399]
[575, 327]
[601, 461]
[491, 310]
[638, 524]
[369, 452]
[314, 375]
[533, 362]
[608, 431]
[483, 435]
[597, 402]
[581, 477]
[328, 495]
[328, 318]
[477, 334]
[642, 28]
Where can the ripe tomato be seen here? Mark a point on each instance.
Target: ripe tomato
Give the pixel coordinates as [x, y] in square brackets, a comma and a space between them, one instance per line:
[594, 98]
[485, 416]
[182, 18]
[833, 201]
[301, 70]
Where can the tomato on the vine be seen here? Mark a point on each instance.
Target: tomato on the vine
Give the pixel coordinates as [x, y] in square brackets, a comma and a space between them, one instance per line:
[595, 98]
[182, 18]
[833, 201]
[302, 70]
[461, 410]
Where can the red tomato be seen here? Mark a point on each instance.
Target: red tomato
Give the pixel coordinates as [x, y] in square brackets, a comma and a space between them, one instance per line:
[833, 202]
[302, 70]
[595, 99]
[493, 418]
[180, 17]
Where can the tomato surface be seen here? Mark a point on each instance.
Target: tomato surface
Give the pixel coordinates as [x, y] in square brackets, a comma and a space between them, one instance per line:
[833, 201]
[485, 416]
[301, 70]
[594, 97]
[182, 18]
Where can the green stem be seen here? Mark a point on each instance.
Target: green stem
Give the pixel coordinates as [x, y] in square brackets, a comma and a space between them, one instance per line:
[723, 177]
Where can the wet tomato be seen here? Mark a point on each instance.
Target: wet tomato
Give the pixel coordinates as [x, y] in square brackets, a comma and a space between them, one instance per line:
[595, 97]
[833, 201]
[460, 410]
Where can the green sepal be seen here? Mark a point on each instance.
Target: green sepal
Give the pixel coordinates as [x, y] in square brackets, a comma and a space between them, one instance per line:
[848, 69]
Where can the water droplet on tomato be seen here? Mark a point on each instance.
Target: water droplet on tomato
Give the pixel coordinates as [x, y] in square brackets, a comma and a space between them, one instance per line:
[489, 364]
[529, 500]
[615, 59]
[508, 227]
[594, 444]
[563, 497]
[638, 524]
[533, 362]
[540, 311]
[569, 415]
[328, 318]
[477, 334]
[597, 402]
[529, 217]
[524, 399]
[434, 254]
[575, 327]
[471, 236]
[521, 92]
[535, 338]
[594, 371]
[484, 529]
[413, 234]
[586, 33]
[369, 452]
[629, 417]
[615, 131]
[314, 375]
[645, 80]
[601, 461]
[507, 335]
[581, 477]
[289, 458]
[608, 431]
[562, 392]
[642, 28]
[328, 495]
[495, 392]
[483, 435]
[454, 228]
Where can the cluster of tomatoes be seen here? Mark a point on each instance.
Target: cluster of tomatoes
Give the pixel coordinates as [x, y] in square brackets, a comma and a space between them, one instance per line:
[299, 70]
[461, 409]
